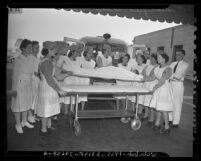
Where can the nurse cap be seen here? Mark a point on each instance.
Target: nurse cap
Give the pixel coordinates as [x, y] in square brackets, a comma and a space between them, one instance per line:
[49, 45]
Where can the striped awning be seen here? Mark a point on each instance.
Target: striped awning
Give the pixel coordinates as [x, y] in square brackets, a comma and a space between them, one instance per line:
[173, 13]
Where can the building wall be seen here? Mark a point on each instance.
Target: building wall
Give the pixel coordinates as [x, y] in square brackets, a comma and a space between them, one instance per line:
[183, 35]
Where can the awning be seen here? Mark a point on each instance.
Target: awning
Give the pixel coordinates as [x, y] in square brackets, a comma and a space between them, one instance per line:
[174, 13]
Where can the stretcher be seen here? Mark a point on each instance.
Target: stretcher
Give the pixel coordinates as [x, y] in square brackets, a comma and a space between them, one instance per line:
[79, 90]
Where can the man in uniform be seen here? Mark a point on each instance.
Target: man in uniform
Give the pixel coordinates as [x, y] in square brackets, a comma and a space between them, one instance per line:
[179, 68]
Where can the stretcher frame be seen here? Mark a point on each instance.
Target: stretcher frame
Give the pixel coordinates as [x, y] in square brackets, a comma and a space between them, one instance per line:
[92, 114]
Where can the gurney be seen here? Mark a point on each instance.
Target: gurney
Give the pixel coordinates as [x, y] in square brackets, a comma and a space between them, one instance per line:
[78, 90]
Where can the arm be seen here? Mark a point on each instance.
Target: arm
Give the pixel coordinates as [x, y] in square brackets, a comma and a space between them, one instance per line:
[181, 74]
[60, 74]
[99, 62]
[165, 76]
[15, 77]
[46, 69]
[151, 77]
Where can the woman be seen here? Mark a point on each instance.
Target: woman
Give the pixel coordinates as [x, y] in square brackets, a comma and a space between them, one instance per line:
[149, 84]
[104, 59]
[34, 61]
[138, 69]
[21, 84]
[162, 99]
[67, 64]
[86, 63]
[48, 99]
[123, 64]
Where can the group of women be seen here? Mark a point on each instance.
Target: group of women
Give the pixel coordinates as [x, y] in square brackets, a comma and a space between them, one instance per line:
[156, 74]
[37, 83]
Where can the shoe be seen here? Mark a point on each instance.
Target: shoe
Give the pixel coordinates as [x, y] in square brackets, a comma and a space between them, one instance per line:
[125, 120]
[31, 119]
[144, 119]
[55, 118]
[45, 134]
[150, 123]
[154, 127]
[175, 126]
[165, 131]
[19, 129]
[27, 125]
[51, 128]
[170, 122]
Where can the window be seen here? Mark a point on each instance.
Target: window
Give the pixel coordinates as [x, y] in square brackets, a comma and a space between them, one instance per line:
[160, 48]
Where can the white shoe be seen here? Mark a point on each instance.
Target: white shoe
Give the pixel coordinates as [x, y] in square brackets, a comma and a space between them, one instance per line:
[27, 124]
[19, 129]
[125, 120]
[31, 119]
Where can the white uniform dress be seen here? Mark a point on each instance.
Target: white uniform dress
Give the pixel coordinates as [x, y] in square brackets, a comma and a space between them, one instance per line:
[47, 104]
[145, 99]
[105, 61]
[67, 64]
[21, 83]
[178, 89]
[162, 99]
[34, 61]
[123, 83]
[139, 68]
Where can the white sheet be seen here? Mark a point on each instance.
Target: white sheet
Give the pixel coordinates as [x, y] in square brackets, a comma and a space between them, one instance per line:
[109, 72]
[97, 89]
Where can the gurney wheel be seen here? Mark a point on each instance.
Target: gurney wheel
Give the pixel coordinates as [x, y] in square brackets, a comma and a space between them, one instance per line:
[77, 128]
[135, 124]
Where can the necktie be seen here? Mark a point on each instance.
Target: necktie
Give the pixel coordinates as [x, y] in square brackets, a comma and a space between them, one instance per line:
[175, 67]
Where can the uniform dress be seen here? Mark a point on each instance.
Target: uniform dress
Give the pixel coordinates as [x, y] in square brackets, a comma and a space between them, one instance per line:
[145, 99]
[21, 83]
[105, 61]
[69, 65]
[139, 68]
[162, 99]
[123, 83]
[34, 61]
[178, 89]
[47, 104]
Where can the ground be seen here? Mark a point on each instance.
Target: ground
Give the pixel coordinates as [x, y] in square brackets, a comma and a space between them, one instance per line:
[106, 134]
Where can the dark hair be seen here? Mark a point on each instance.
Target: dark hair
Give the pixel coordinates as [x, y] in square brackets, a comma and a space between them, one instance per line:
[85, 53]
[70, 54]
[155, 57]
[34, 43]
[165, 56]
[144, 60]
[182, 51]
[24, 44]
[44, 52]
[121, 59]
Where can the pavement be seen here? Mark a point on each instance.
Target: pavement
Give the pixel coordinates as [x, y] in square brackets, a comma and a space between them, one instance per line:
[106, 134]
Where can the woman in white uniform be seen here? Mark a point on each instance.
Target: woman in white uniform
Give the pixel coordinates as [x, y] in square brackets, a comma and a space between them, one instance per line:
[71, 64]
[149, 84]
[123, 64]
[162, 99]
[34, 61]
[104, 59]
[47, 104]
[88, 63]
[139, 69]
[22, 87]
